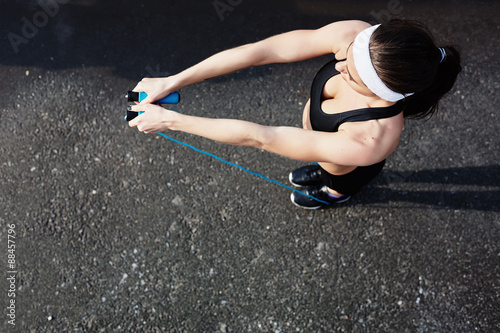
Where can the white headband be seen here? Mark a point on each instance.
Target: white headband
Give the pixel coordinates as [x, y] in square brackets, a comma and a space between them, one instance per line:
[364, 66]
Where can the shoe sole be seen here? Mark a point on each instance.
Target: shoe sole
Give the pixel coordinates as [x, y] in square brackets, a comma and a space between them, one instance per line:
[319, 206]
[291, 182]
[343, 200]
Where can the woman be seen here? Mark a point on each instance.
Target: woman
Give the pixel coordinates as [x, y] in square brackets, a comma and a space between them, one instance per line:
[354, 118]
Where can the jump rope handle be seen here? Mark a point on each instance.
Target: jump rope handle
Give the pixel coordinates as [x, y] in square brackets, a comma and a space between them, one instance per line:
[133, 96]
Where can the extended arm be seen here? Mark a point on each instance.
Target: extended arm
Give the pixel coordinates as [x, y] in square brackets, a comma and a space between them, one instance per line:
[291, 46]
[339, 148]
[287, 47]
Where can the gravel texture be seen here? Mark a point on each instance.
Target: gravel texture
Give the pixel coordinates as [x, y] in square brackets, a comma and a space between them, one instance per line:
[118, 231]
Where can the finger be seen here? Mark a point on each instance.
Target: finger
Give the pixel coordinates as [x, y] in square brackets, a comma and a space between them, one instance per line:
[133, 122]
[147, 100]
[137, 88]
[138, 107]
[150, 99]
[139, 85]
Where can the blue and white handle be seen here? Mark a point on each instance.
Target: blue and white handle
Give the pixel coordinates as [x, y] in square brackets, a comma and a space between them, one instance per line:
[133, 96]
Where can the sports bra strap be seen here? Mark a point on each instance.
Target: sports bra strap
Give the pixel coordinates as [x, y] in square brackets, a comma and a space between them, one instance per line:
[321, 121]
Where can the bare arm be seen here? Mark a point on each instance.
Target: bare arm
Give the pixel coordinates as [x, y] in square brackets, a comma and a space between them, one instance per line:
[291, 46]
[287, 47]
[339, 148]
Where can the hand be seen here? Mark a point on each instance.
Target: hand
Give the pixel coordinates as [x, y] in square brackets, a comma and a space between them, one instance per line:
[156, 88]
[154, 119]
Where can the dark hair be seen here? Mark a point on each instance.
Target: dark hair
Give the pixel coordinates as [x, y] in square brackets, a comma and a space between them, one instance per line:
[407, 60]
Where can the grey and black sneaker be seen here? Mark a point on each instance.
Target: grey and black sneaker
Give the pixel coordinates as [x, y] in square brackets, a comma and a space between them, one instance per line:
[304, 200]
[309, 175]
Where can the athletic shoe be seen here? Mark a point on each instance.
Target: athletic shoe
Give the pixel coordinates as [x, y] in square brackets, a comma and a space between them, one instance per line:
[320, 192]
[309, 175]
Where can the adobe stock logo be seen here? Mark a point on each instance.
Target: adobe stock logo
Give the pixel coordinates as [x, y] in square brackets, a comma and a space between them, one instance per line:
[40, 19]
[221, 7]
[394, 7]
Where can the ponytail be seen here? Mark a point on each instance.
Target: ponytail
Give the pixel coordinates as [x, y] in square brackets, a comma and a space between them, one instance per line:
[407, 60]
[424, 104]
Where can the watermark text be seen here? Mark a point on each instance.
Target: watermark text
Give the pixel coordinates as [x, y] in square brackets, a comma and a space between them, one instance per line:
[224, 7]
[29, 29]
[11, 274]
[394, 7]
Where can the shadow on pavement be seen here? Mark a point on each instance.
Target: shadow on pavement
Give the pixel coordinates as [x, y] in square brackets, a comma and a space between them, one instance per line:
[474, 188]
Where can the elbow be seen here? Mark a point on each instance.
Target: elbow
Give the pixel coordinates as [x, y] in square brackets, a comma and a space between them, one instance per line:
[259, 53]
[264, 139]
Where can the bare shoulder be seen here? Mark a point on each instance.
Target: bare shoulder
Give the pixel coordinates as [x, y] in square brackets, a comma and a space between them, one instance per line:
[379, 137]
[342, 33]
[376, 128]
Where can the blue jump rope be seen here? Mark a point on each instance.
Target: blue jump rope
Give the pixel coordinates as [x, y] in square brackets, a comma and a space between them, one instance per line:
[174, 98]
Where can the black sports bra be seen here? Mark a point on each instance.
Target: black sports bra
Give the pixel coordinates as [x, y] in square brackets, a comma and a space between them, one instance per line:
[324, 122]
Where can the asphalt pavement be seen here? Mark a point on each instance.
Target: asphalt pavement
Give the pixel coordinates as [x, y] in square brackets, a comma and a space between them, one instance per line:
[105, 229]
